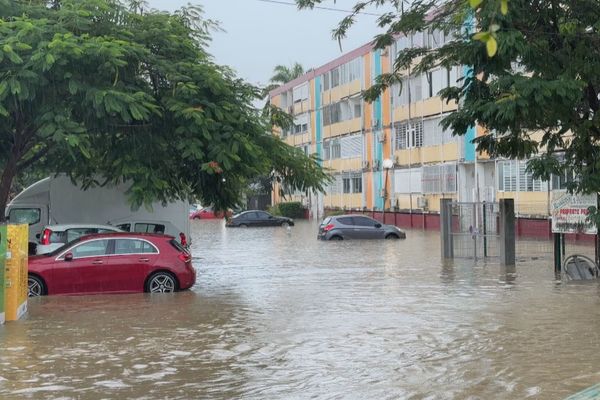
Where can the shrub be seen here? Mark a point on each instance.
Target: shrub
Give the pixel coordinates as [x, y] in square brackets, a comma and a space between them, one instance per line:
[293, 209]
[274, 210]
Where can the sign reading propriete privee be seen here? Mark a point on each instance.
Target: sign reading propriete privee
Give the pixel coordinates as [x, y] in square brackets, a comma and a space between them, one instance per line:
[570, 213]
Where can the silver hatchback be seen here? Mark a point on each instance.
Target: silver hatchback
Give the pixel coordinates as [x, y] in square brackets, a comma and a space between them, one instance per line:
[343, 227]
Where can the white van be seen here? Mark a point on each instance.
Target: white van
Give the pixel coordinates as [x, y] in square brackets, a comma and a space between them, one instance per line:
[56, 200]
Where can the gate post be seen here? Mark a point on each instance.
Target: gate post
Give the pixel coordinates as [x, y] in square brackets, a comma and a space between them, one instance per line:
[507, 232]
[446, 228]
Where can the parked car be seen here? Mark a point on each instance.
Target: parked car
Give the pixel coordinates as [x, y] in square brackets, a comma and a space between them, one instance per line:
[343, 227]
[258, 218]
[54, 236]
[113, 263]
[208, 213]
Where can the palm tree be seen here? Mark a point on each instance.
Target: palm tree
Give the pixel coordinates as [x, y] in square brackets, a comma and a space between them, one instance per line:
[283, 74]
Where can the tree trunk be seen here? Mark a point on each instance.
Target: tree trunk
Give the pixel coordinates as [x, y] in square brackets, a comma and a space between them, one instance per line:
[10, 170]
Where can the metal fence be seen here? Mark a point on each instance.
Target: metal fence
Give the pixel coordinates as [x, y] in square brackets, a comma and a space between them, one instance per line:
[475, 230]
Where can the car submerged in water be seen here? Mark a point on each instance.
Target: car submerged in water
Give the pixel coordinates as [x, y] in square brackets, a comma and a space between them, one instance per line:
[258, 218]
[342, 227]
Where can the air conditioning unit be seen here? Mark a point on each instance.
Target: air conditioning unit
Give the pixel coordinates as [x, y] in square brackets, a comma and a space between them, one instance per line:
[376, 165]
[381, 137]
[397, 160]
[383, 193]
[422, 202]
[375, 123]
[365, 164]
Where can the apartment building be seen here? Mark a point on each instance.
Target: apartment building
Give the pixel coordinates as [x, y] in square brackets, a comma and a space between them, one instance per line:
[393, 154]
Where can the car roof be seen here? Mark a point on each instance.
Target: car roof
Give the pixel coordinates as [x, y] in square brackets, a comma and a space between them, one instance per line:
[350, 215]
[128, 235]
[58, 227]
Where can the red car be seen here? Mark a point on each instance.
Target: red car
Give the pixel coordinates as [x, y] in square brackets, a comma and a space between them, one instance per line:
[207, 213]
[113, 263]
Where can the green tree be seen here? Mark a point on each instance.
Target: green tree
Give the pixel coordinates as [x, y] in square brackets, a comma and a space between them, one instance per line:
[538, 94]
[283, 74]
[108, 94]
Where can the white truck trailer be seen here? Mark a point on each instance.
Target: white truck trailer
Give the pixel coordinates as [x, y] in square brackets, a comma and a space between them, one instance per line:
[56, 200]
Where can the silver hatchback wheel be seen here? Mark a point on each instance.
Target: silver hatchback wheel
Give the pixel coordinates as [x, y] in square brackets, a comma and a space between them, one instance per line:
[35, 287]
[161, 282]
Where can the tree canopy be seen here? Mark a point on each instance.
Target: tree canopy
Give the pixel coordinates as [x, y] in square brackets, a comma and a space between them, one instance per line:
[109, 94]
[536, 93]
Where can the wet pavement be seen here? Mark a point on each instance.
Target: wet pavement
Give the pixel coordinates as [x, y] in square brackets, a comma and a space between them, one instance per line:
[277, 314]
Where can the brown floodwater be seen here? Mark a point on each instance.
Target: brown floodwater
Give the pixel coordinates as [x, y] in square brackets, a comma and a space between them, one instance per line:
[276, 314]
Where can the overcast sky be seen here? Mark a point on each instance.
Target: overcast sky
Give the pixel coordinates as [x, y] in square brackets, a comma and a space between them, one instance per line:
[259, 35]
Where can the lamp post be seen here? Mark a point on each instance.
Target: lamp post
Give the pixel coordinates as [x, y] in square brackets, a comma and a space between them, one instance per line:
[387, 165]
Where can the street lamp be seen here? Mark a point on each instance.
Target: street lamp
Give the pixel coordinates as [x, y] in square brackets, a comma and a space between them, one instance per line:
[387, 165]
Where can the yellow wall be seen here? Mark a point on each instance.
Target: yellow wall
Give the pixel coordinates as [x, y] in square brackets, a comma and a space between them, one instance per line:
[428, 107]
[341, 128]
[433, 201]
[343, 200]
[337, 93]
[344, 164]
[527, 203]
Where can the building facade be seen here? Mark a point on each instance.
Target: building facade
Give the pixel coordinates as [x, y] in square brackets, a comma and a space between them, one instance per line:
[393, 154]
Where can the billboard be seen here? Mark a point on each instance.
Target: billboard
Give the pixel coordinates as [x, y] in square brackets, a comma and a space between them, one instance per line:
[570, 213]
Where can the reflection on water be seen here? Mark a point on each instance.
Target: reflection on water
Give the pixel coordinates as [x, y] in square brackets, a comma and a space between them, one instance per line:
[277, 314]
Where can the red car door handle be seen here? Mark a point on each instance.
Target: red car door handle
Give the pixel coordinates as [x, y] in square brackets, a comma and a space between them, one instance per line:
[144, 259]
[96, 262]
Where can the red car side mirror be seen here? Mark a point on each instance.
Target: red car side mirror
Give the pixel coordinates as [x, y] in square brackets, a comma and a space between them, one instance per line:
[69, 257]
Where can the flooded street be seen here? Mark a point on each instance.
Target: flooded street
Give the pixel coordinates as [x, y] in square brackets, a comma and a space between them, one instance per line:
[276, 314]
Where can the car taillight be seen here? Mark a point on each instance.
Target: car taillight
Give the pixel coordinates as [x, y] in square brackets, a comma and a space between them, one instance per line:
[328, 227]
[183, 239]
[186, 258]
[46, 236]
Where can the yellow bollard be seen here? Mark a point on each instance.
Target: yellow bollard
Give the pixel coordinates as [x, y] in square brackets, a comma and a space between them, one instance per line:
[2, 268]
[16, 289]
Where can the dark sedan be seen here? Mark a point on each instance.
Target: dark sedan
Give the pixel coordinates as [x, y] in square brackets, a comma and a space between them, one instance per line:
[258, 218]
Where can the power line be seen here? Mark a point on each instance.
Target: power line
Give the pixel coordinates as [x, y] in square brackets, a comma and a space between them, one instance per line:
[322, 8]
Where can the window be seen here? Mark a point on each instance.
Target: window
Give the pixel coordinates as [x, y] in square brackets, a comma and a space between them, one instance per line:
[262, 215]
[345, 221]
[513, 177]
[401, 139]
[357, 184]
[336, 149]
[92, 248]
[149, 228]
[326, 81]
[75, 233]
[439, 178]
[351, 146]
[28, 216]
[408, 134]
[347, 185]
[364, 221]
[125, 227]
[133, 246]
[335, 77]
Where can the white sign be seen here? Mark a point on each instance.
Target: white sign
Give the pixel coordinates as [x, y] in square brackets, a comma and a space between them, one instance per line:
[570, 212]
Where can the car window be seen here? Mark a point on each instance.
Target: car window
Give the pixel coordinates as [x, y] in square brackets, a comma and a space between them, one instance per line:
[345, 220]
[58, 237]
[149, 228]
[326, 221]
[75, 233]
[124, 227]
[92, 248]
[252, 216]
[106, 230]
[262, 215]
[133, 246]
[28, 216]
[364, 221]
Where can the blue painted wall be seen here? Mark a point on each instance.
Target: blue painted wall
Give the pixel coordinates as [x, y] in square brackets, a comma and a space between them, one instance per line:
[318, 127]
[378, 146]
